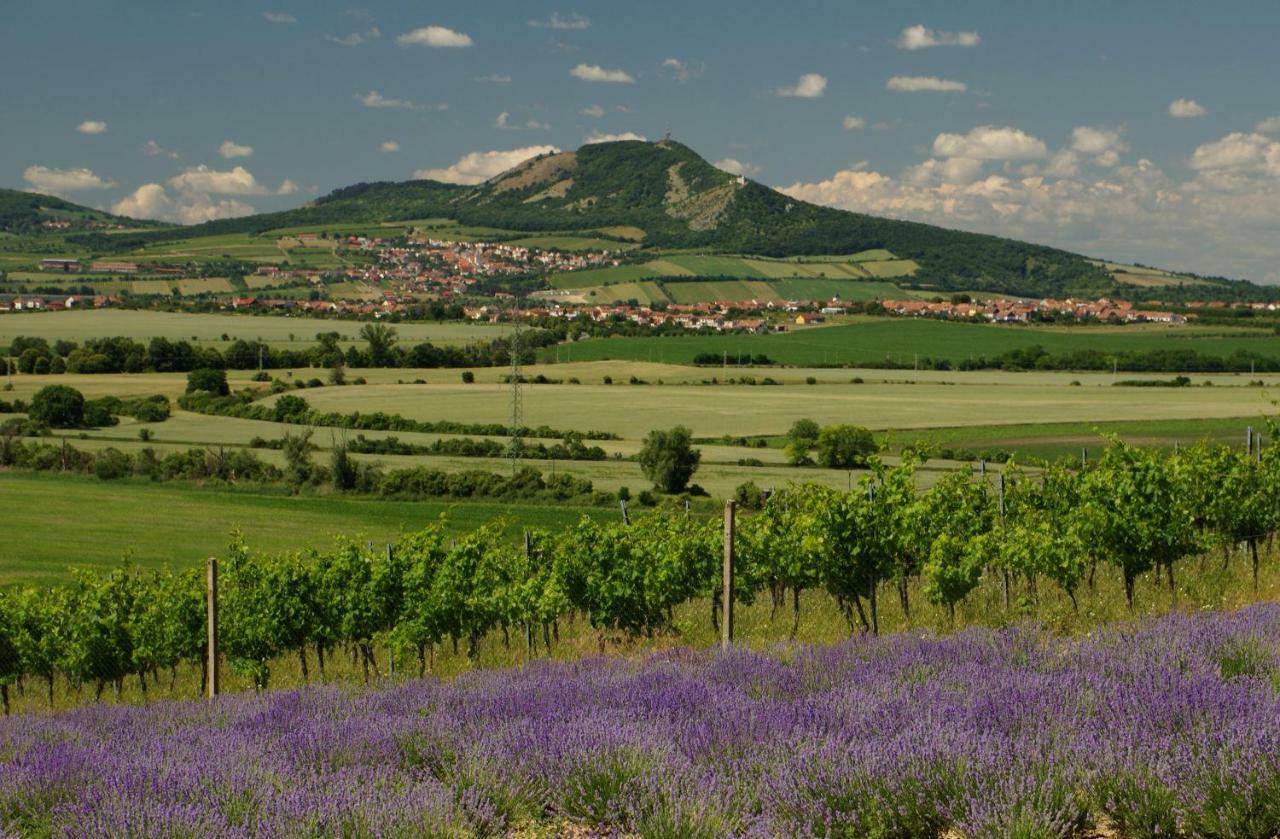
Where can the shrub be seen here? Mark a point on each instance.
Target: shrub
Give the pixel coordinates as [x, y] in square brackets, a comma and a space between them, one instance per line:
[468, 377]
[208, 380]
[58, 406]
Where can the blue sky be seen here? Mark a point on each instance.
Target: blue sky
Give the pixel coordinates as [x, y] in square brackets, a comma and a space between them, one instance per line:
[1144, 131]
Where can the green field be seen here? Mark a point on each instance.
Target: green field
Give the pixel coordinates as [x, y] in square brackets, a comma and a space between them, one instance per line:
[853, 267]
[81, 522]
[874, 341]
[838, 289]
[571, 243]
[721, 291]
[143, 325]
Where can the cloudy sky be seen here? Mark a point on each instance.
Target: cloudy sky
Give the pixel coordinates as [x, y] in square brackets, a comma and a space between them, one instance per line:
[1143, 130]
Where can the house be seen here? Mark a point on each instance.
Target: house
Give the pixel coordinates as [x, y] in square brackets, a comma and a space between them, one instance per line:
[108, 267]
[66, 266]
[806, 318]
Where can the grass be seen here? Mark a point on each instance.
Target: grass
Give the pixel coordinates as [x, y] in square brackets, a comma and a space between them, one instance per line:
[571, 243]
[721, 291]
[739, 268]
[876, 340]
[818, 289]
[69, 521]
[143, 325]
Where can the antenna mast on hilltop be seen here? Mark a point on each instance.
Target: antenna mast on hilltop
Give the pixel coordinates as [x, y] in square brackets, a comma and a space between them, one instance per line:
[517, 398]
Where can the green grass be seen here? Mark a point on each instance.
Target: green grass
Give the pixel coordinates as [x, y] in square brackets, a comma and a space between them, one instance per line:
[71, 521]
[643, 292]
[721, 291]
[873, 341]
[855, 267]
[144, 325]
[840, 289]
[571, 243]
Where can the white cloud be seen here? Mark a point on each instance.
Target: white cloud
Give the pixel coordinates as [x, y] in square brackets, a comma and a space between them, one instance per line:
[1270, 125]
[150, 201]
[479, 166]
[389, 146]
[1186, 108]
[503, 122]
[228, 149]
[374, 99]
[949, 170]
[1237, 152]
[737, 167]
[600, 137]
[434, 36]
[235, 181]
[592, 111]
[916, 84]
[92, 126]
[852, 123]
[808, 86]
[355, 39]
[1104, 145]
[61, 181]
[919, 37]
[495, 78]
[557, 21]
[596, 73]
[987, 142]
[681, 71]
[279, 17]
[153, 149]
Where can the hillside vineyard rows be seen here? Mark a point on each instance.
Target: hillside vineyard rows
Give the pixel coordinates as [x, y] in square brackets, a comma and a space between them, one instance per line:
[1130, 513]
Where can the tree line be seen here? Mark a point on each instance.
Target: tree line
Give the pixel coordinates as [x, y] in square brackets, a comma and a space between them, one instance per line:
[1133, 511]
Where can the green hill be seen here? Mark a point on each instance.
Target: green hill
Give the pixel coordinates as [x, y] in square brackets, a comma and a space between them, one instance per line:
[26, 213]
[666, 197]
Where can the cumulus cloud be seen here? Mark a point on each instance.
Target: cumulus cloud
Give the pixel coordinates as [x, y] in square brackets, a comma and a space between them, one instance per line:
[279, 17]
[505, 123]
[852, 123]
[389, 146]
[808, 86]
[592, 111]
[601, 137]
[235, 181]
[92, 126]
[434, 36]
[61, 181]
[1186, 108]
[1212, 221]
[229, 149]
[736, 167]
[374, 99]
[153, 149]
[596, 73]
[680, 71]
[151, 201]
[355, 39]
[917, 84]
[1270, 125]
[987, 142]
[557, 21]
[919, 37]
[480, 166]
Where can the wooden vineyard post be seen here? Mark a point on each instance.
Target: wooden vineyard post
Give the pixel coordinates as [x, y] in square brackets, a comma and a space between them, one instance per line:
[391, 652]
[212, 641]
[626, 519]
[726, 620]
[1004, 571]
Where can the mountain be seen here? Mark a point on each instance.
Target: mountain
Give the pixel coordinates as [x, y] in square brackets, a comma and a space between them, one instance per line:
[678, 201]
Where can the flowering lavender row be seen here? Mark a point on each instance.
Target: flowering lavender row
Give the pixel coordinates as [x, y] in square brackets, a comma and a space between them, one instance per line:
[1168, 727]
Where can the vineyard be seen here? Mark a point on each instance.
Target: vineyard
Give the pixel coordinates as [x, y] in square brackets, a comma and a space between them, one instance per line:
[1132, 513]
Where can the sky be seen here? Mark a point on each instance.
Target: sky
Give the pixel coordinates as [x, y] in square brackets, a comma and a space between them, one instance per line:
[1137, 131]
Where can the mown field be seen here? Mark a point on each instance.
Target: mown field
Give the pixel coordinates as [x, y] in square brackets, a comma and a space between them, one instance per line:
[899, 341]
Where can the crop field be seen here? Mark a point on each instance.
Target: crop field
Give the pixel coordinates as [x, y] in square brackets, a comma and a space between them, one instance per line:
[736, 267]
[143, 325]
[900, 340]
[1040, 734]
[643, 292]
[721, 291]
[571, 243]
[819, 289]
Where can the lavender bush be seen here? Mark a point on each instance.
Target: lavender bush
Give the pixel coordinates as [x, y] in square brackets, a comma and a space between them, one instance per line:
[1163, 728]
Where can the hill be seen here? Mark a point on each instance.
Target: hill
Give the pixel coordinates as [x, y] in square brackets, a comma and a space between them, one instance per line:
[662, 197]
[30, 213]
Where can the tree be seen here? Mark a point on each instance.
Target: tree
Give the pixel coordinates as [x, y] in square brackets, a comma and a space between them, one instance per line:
[343, 468]
[669, 459]
[802, 437]
[297, 456]
[381, 339]
[209, 381]
[58, 406]
[845, 446]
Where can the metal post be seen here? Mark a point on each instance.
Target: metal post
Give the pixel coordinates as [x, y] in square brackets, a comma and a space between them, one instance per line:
[726, 619]
[212, 681]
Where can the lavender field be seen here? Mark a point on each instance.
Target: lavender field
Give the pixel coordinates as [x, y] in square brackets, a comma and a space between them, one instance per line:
[1167, 727]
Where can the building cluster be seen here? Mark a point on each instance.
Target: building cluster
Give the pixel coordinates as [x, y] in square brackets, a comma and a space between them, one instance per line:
[1000, 310]
[55, 302]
